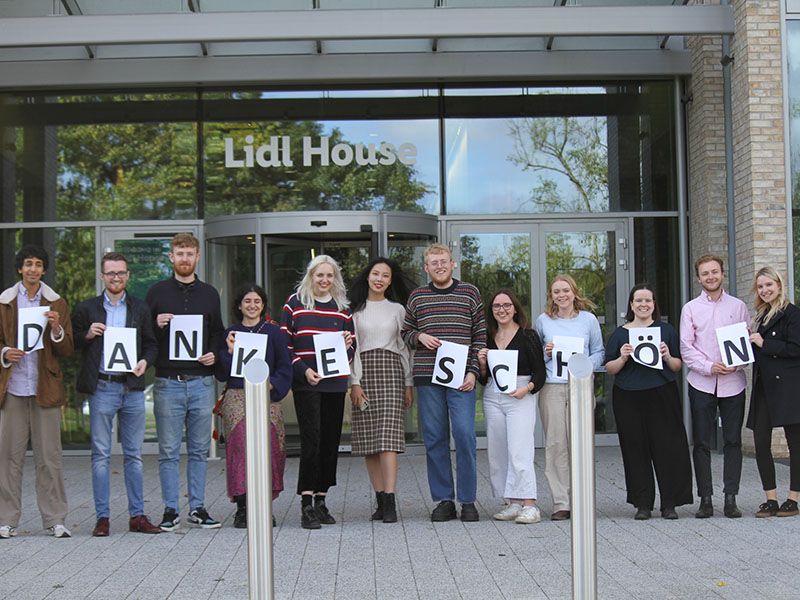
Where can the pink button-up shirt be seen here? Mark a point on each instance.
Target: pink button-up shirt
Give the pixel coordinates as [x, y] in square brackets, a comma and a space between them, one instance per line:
[700, 319]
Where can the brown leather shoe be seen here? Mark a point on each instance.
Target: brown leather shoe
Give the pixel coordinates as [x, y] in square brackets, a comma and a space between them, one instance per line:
[560, 515]
[143, 525]
[101, 529]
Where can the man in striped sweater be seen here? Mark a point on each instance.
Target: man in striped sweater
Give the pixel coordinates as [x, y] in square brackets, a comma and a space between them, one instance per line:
[446, 310]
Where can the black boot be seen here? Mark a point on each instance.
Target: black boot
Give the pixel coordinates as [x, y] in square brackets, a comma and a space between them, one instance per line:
[389, 509]
[378, 514]
[730, 509]
[240, 518]
[706, 509]
[323, 514]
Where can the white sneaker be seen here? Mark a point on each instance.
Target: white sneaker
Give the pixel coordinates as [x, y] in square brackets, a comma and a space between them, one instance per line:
[529, 514]
[7, 531]
[59, 531]
[509, 513]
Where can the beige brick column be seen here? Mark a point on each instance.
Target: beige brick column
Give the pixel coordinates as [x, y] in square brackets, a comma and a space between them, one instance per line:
[758, 148]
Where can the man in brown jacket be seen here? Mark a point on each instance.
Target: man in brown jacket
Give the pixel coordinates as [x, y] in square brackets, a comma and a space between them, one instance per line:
[31, 396]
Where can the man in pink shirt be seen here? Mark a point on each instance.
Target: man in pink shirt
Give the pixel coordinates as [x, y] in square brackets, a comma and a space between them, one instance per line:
[712, 385]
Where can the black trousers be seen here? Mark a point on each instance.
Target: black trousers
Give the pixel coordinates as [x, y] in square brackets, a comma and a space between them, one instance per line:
[704, 415]
[319, 417]
[651, 436]
[762, 438]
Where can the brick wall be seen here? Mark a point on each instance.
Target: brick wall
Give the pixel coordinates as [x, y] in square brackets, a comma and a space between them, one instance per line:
[758, 149]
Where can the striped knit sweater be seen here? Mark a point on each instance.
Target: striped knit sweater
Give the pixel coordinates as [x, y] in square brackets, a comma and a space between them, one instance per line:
[300, 325]
[454, 314]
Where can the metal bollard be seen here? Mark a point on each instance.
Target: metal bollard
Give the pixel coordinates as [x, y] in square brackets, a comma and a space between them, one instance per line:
[583, 517]
[259, 480]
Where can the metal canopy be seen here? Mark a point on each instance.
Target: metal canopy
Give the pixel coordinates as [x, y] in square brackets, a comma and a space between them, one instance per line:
[79, 48]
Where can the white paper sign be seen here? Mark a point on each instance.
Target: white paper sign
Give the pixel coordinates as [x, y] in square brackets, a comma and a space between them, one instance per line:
[246, 346]
[734, 345]
[646, 342]
[451, 365]
[31, 324]
[331, 354]
[503, 367]
[186, 337]
[119, 349]
[564, 346]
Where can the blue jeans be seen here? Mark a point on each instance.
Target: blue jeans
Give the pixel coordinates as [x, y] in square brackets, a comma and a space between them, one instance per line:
[439, 407]
[179, 403]
[111, 399]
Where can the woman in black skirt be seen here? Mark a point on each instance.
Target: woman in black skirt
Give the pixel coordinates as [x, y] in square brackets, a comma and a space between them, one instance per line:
[776, 379]
[647, 409]
[381, 382]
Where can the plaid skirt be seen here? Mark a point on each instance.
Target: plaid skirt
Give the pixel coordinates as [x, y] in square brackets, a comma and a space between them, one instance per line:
[380, 427]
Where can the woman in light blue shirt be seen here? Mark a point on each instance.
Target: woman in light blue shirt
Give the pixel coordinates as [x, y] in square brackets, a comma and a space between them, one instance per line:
[566, 313]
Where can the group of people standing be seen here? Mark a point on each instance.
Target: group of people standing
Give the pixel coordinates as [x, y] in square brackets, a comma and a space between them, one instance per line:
[391, 334]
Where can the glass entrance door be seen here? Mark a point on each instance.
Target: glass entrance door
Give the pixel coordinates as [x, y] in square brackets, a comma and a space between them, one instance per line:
[525, 255]
[146, 247]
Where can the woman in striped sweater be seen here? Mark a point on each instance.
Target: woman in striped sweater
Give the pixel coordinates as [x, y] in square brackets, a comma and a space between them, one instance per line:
[318, 306]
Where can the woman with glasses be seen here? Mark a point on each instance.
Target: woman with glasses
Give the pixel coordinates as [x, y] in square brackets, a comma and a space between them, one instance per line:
[381, 381]
[647, 408]
[318, 306]
[510, 410]
[776, 379]
[250, 308]
[566, 313]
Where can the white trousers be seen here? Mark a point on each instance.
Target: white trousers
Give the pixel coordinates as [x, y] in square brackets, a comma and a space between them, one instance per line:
[509, 438]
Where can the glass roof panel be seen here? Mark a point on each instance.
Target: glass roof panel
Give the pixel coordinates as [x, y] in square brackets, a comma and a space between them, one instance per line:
[127, 7]
[509, 44]
[362, 4]
[209, 6]
[261, 48]
[149, 51]
[49, 53]
[375, 46]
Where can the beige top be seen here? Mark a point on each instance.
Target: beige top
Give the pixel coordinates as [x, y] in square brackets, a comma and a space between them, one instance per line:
[378, 327]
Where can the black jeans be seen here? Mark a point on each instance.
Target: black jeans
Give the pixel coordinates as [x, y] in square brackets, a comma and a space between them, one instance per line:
[704, 413]
[762, 439]
[319, 417]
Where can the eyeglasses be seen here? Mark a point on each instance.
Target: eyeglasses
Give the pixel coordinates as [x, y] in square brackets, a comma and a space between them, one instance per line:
[507, 306]
[439, 263]
[116, 274]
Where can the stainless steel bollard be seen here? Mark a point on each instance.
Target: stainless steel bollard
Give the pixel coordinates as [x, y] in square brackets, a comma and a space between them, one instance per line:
[583, 517]
[259, 480]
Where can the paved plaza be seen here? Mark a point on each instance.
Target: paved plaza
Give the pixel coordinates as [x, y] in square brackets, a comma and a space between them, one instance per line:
[355, 559]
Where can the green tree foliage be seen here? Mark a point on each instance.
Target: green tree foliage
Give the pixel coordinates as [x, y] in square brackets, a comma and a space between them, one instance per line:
[566, 153]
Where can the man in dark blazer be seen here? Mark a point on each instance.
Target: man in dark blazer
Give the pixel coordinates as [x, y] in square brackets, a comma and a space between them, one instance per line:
[119, 394]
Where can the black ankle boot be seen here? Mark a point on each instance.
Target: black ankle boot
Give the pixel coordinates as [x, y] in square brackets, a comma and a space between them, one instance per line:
[706, 509]
[389, 509]
[730, 509]
[378, 514]
[240, 518]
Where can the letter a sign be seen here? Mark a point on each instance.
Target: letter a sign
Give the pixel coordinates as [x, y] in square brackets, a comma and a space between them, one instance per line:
[31, 324]
[186, 337]
[119, 349]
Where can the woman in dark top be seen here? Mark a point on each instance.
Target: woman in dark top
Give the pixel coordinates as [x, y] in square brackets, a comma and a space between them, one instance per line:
[647, 409]
[250, 307]
[510, 411]
[776, 379]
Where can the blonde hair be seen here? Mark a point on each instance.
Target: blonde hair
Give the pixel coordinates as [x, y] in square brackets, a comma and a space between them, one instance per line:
[306, 286]
[438, 249]
[766, 310]
[579, 303]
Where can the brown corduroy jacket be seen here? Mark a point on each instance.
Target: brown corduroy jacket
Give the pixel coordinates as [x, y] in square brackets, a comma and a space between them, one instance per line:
[50, 388]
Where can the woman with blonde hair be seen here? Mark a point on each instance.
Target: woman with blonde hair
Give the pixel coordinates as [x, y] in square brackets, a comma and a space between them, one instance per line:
[566, 313]
[776, 378]
[319, 306]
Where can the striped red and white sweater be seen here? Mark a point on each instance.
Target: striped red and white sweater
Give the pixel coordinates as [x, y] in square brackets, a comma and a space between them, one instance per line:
[301, 324]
